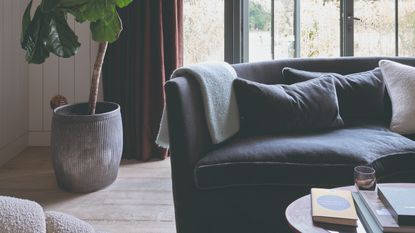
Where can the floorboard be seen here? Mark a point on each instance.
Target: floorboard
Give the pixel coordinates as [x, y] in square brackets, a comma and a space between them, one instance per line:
[139, 201]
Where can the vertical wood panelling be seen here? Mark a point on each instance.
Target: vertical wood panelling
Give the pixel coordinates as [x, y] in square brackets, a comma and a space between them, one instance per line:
[13, 81]
[69, 77]
[2, 73]
[25, 75]
[82, 63]
[21, 69]
[35, 91]
[18, 84]
[8, 107]
[50, 88]
[35, 97]
[25, 90]
[67, 72]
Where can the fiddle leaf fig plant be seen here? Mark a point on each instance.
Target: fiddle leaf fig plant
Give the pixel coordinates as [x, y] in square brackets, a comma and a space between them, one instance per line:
[48, 31]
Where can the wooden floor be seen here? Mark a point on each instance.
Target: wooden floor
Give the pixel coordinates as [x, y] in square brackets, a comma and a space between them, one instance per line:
[139, 201]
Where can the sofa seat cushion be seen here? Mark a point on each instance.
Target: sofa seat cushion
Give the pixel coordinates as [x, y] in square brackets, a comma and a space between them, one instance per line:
[324, 158]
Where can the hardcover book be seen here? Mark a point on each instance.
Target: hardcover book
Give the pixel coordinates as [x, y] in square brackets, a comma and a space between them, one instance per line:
[333, 206]
[381, 214]
[400, 202]
[367, 220]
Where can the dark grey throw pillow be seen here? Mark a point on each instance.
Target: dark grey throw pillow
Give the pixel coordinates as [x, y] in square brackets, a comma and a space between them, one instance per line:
[361, 95]
[270, 109]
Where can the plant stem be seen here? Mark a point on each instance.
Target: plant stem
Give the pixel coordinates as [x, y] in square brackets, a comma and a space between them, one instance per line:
[96, 74]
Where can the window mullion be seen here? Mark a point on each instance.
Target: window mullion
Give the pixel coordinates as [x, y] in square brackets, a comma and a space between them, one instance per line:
[245, 31]
[272, 29]
[347, 28]
[396, 27]
[297, 28]
[236, 27]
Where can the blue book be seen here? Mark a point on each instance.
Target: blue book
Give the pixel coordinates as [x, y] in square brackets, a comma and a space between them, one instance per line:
[400, 202]
[381, 214]
[368, 222]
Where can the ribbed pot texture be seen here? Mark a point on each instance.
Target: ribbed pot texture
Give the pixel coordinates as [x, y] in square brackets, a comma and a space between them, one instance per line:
[86, 149]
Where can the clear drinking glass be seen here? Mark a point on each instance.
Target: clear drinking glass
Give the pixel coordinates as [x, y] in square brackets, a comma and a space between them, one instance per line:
[364, 178]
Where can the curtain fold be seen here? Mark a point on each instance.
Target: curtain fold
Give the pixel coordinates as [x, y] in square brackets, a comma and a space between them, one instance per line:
[136, 67]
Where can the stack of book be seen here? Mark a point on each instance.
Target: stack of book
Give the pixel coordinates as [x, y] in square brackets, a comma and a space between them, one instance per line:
[334, 207]
[390, 209]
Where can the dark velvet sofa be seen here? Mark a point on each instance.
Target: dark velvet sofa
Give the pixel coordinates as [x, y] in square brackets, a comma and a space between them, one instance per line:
[245, 183]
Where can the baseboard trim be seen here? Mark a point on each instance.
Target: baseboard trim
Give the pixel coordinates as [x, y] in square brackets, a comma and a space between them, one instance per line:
[13, 148]
[39, 138]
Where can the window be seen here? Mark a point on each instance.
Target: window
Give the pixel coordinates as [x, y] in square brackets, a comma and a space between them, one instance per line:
[271, 29]
[284, 40]
[320, 28]
[256, 30]
[406, 27]
[203, 30]
[260, 38]
[374, 30]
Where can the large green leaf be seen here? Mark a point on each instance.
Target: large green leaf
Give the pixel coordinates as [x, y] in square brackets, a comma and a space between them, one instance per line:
[39, 55]
[103, 30]
[96, 10]
[61, 40]
[72, 3]
[122, 3]
[25, 21]
[32, 41]
[49, 5]
[77, 13]
[48, 31]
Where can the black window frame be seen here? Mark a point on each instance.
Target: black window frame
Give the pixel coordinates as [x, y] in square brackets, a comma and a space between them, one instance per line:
[237, 29]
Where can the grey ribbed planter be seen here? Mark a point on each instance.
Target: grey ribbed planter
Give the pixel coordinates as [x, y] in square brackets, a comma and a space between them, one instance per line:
[86, 149]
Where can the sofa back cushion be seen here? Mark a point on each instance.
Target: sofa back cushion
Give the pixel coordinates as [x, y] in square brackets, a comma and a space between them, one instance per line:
[274, 109]
[270, 72]
[361, 95]
[400, 81]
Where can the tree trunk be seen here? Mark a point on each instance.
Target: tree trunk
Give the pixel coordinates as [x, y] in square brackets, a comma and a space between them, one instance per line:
[96, 74]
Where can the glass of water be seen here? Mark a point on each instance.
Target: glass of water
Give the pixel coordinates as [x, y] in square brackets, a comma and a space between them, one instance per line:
[364, 178]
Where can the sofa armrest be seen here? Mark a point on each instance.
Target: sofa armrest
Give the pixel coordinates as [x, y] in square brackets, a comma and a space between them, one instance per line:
[189, 142]
[188, 132]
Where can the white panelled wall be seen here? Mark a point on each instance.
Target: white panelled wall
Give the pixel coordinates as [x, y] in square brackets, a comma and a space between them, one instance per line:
[25, 90]
[69, 77]
[13, 82]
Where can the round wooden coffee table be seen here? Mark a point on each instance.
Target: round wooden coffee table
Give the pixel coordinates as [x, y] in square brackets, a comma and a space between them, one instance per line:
[298, 213]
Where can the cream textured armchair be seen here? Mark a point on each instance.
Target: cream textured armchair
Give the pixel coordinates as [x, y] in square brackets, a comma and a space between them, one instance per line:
[24, 216]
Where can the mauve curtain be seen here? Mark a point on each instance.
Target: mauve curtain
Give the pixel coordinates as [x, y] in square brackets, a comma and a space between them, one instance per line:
[136, 67]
